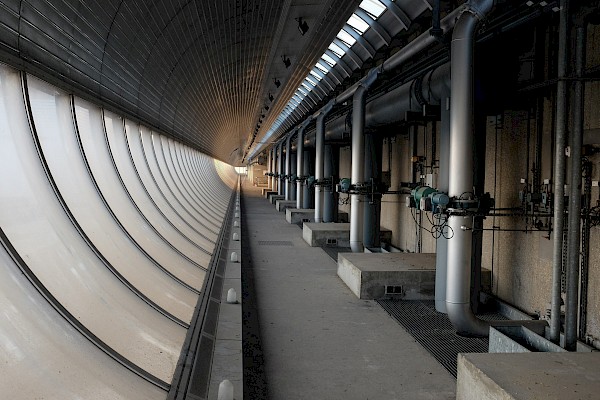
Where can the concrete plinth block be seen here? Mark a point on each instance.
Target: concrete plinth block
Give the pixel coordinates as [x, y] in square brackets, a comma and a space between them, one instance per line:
[282, 205]
[266, 190]
[409, 276]
[524, 376]
[274, 197]
[298, 215]
[326, 234]
[268, 193]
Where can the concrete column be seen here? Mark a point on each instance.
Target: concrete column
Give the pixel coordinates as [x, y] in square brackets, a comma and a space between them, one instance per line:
[372, 203]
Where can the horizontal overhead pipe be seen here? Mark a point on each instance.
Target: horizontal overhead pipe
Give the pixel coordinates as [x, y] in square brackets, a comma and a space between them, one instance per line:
[399, 58]
[391, 107]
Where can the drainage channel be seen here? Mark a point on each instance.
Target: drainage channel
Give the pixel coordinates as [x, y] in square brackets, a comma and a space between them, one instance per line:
[433, 330]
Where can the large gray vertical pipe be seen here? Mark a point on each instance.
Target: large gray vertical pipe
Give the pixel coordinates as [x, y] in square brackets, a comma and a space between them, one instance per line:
[319, 160]
[560, 135]
[294, 173]
[441, 248]
[327, 190]
[359, 100]
[458, 287]
[280, 188]
[300, 166]
[574, 231]
[269, 170]
[288, 167]
[305, 188]
[319, 155]
[358, 168]
[274, 158]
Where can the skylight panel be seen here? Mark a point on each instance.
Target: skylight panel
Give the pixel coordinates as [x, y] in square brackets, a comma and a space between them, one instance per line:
[358, 24]
[346, 38]
[312, 82]
[329, 60]
[323, 68]
[315, 75]
[307, 87]
[337, 50]
[303, 91]
[373, 7]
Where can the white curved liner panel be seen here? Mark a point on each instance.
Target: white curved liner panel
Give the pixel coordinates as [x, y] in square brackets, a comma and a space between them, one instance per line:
[119, 147]
[195, 197]
[152, 176]
[62, 153]
[201, 163]
[167, 165]
[184, 169]
[138, 219]
[36, 225]
[43, 357]
[161, 149]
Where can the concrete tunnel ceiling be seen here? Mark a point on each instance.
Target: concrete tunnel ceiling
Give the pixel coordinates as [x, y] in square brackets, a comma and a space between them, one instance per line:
[200, 71]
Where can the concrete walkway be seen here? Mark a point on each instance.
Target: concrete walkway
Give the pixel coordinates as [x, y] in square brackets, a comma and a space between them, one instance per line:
[319, 340]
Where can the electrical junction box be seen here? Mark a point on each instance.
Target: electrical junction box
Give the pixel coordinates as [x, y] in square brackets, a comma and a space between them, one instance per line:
[386, 178]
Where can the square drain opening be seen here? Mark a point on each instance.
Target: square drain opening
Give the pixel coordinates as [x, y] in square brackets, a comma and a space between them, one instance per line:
[331, 242]
[394, 290]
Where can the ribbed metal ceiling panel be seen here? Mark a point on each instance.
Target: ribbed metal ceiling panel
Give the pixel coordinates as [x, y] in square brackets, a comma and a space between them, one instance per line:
[200, 71]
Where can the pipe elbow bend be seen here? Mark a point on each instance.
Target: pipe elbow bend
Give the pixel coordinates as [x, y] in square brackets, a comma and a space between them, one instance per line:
[480, 7]
[465, 322]
[357, 247]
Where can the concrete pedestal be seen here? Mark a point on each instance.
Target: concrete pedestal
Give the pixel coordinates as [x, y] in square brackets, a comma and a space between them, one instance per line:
[282, 205]
[274, 197]
[409, 276]
[367, 275]
[326, 234]
[268, 193]
[524, 376]
[333, 234]
[266, 190]
[298, 215]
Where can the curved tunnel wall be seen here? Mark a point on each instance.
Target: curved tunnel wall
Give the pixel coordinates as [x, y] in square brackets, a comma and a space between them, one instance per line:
[107, 231]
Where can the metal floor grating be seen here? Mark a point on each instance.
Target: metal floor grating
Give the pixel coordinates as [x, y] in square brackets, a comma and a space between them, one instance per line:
[333, 251]
[433, 330]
